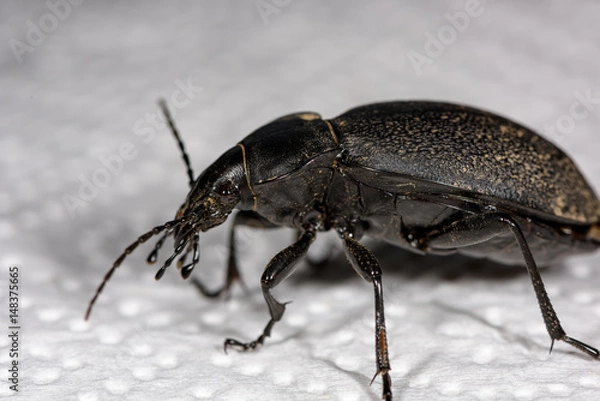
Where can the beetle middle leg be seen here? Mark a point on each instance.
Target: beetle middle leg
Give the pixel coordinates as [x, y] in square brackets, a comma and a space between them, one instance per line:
[279, 268]
[242, 218]
[366, 265]
[484, 226]
[314, 264]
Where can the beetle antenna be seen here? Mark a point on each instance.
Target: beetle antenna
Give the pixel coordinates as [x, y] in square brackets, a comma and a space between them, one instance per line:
[183, 257]
[165, 110]
[187, 269]
[190, 248]
[168, 262]
[154, 254]
[142, 238]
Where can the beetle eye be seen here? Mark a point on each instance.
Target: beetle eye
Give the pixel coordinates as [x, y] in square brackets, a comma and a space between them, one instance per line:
[226, 190]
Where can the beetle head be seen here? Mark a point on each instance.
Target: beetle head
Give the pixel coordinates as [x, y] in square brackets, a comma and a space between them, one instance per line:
[214, 195]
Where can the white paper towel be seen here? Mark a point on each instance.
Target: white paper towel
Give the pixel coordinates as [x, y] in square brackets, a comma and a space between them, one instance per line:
[84, 172]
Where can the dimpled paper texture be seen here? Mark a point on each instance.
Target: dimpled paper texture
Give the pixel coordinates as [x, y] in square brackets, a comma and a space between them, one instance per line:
[81, 96]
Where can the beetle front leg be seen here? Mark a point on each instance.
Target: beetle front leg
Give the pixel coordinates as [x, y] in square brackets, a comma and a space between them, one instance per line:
[485, 226]
[279, 268]
[366, 265]
[242, 218]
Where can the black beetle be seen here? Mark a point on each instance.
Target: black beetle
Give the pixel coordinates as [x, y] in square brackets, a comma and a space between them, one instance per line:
[430, 177]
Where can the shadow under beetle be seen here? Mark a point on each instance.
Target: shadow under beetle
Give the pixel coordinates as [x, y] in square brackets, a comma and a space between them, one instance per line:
[430, 177]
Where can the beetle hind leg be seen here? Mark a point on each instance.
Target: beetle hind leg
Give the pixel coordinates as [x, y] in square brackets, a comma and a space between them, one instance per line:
[484, 226]
[366, 265]
[279, 268]
[550, 318]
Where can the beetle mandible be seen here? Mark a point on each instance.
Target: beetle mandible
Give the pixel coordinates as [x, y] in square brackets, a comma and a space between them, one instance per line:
[430, 177]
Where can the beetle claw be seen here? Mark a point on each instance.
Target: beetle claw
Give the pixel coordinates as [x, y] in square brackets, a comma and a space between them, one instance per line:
[241, 346]
[588, 349]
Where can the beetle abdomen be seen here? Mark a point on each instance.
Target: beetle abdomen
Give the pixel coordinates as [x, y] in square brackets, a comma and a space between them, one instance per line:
[468, 149]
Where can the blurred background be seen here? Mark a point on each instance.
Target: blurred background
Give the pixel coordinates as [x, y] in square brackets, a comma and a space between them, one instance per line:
[86, 167]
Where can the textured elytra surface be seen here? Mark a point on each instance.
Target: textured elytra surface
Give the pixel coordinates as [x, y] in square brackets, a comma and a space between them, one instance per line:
[458, 328]
[468, 149]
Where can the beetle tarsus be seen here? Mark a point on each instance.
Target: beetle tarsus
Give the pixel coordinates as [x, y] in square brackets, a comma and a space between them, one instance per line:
[591, 351]
[459, 232]
[279, 268]
[387, 386]
[252, 345]
[553, 325]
